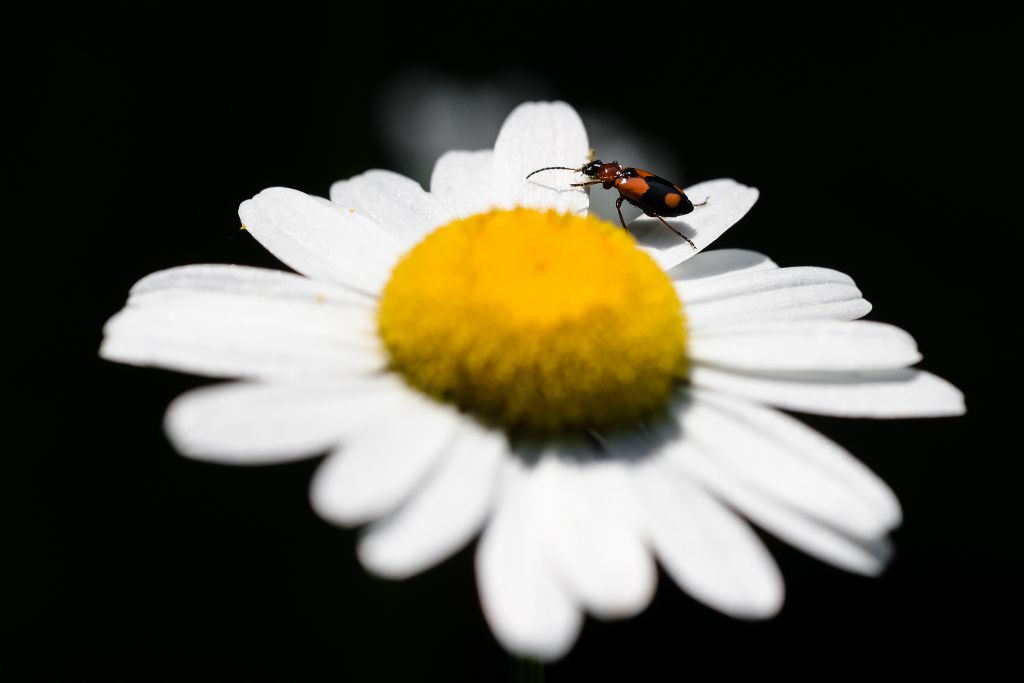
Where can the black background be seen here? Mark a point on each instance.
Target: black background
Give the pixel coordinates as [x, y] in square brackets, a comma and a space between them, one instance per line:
[878, 145]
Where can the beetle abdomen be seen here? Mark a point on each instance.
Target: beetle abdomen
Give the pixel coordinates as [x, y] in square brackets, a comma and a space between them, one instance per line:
[666, 199]
[652, 194]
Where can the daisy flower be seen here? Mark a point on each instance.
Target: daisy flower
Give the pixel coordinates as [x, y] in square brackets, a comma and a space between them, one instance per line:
[486, 358]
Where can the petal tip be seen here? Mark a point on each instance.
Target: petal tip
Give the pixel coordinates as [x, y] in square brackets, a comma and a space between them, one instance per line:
[945, 400]
[758, 607]
[950, 397]
[324, 501]
[381, 560]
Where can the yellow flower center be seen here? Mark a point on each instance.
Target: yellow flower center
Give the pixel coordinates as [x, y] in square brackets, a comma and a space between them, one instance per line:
[541, 322]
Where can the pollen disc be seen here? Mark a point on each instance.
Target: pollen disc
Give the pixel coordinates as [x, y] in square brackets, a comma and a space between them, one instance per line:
[539, 322]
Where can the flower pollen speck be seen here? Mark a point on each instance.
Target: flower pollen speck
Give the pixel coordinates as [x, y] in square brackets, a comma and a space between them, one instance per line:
[486, 358]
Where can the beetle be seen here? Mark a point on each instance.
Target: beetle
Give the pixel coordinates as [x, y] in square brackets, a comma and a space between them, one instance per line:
[653, 195]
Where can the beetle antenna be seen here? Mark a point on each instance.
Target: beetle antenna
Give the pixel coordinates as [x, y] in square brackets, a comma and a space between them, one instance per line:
[554, 168]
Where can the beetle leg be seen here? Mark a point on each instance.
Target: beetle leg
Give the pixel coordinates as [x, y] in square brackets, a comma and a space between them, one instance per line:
[586, 184]
[618, 207]
[673, 229]
[702, 203]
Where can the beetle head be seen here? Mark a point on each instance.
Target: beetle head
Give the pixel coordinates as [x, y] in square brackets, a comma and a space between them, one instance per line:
[592, 169]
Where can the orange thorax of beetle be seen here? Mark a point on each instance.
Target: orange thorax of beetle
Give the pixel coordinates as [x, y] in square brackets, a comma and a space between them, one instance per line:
[608, 174]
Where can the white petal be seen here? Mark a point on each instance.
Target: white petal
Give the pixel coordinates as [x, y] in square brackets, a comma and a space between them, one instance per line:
[442, 515]
[397, 204]
[592, 536]
[821, 302]
[779, 294]
[526, 607]
[380, 464]
[249, 424]
[712, 554]
[535, 135]
[756, 281]
[728, 201]
[321, 240]
[462, 181]
[804, 345]
[788, 461]
[809, 534]
[227, 334]
[905, 392]
[246, 280]
[717, 263]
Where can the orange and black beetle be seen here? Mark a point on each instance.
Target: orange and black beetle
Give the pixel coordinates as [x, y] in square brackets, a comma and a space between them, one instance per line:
[651, 194]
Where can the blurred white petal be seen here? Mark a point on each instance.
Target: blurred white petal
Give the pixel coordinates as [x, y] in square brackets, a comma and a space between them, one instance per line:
[529, 611]
[791, 463]
[383, 462]
[253, 423]
[808, 534]
[711, 553]
[591, 534]
[444, 513]
[423, 113]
